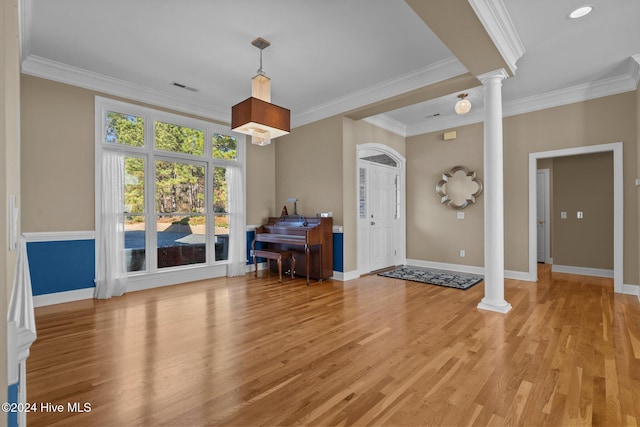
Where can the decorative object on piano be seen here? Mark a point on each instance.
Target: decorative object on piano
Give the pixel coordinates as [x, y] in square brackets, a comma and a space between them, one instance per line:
[284, 212]
[256, 116]
[294, 200]
[459, 187]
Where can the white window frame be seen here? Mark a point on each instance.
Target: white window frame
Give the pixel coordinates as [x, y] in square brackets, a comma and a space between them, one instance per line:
[153, 276]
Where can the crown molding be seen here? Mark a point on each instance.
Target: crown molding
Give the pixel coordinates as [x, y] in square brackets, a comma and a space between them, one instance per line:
[496, 21]
[63, 73]
[387, 123]
[584, 92]
[441, 70]
[634, 68]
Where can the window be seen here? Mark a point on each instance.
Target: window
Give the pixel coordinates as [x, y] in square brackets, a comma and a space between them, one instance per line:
[176, 186]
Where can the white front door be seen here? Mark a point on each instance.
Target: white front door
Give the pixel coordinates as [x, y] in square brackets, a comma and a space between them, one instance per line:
[383, 216]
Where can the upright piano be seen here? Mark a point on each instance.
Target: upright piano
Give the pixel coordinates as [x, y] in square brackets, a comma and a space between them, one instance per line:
[310, 239]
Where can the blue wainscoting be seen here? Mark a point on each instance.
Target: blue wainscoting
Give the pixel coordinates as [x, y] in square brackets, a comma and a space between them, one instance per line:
[61, 265]
[12, 397]
[338, 252]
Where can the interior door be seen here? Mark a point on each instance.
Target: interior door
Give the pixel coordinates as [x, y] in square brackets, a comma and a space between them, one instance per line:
[383, 216]
[541, 207]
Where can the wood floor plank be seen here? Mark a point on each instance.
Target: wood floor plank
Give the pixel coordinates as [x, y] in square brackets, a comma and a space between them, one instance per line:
[371, 351]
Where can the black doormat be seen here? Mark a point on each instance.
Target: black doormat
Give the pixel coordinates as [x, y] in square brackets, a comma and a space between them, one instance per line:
[431, 276]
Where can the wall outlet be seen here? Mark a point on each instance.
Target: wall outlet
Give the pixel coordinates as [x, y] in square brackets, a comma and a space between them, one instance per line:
[462, 253]
[460, 215]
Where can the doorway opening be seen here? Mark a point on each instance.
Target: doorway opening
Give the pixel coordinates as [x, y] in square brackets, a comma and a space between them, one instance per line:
[380, 207]
[618, 213]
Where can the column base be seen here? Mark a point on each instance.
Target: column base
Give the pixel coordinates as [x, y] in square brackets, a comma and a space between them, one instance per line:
[497, 306]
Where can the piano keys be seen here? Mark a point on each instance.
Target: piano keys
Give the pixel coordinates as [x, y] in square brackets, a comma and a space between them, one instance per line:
[310, 239]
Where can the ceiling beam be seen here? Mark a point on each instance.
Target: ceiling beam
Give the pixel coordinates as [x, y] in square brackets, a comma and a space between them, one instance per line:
[445, 87]
[459, 28]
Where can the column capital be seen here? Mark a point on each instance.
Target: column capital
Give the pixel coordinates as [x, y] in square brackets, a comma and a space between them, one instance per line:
[500, 73]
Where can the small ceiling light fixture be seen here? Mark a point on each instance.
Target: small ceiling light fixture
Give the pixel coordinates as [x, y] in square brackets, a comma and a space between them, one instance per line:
[256, 116]
[580, 12]
[464, 105]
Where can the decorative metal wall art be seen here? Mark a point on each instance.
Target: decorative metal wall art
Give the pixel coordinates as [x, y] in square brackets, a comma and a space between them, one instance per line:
[459, 187]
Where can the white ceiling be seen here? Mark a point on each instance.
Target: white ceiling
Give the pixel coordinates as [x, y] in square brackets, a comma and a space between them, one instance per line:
[326, 57]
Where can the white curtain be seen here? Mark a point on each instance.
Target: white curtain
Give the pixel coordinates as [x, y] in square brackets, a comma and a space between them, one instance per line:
[237, 227]
[111, 270]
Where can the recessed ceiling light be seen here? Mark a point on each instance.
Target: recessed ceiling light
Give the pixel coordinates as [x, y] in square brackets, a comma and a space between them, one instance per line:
[580, 12]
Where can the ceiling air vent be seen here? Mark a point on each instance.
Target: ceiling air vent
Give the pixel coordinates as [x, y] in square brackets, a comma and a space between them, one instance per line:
[181, 86]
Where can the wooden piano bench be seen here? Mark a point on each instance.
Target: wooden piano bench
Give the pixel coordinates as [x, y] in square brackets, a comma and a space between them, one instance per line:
[276, 254]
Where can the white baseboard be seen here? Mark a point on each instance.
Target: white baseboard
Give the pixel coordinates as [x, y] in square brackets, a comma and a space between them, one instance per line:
[631, 290]
[343, 277]
[583, 271]
[62, 297]
[471, 269]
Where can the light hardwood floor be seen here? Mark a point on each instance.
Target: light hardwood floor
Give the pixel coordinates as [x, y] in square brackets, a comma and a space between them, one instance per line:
[372, 351]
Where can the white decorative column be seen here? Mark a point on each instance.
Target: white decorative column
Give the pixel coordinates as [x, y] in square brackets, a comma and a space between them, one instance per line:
[493, 194]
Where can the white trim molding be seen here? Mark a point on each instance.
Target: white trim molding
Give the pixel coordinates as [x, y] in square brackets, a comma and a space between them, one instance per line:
[583, 271]
[59, 236]
[62, 297]
[344, 277]
[385, 122]
[496, 21]
[631, 290]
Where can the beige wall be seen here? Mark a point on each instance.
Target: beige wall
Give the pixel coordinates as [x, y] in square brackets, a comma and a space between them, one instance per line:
[58, 151]
[9, 166]
[58, 177]
[433, 231]
[598, 121]
[309, 167]
[584, 183]
[261, 183]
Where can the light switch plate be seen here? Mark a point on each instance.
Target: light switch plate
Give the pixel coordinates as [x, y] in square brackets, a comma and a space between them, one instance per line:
[460, 215]
[580, 215]
[563, 215]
